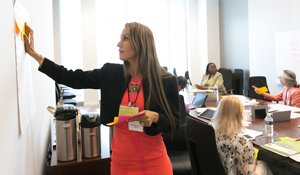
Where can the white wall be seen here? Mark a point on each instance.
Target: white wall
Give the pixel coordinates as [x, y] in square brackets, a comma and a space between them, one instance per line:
[234, 36]
[266, 18]
[25, 153]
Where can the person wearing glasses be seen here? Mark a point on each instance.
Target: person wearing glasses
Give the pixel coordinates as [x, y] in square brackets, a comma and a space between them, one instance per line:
[211, 78]
[290, 94]
[140, 86]
[236, 151]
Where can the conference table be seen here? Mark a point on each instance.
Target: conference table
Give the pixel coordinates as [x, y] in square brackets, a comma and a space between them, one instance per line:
[278, 164]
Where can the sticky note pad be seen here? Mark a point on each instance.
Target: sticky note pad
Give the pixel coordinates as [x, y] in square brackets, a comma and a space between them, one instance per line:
[262, 90]
[256, 152]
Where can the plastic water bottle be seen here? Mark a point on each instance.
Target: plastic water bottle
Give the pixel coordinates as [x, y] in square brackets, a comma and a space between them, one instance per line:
[216, 91]
[269, 125]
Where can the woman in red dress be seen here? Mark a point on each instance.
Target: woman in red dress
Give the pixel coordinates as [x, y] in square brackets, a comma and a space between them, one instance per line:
[139, 82]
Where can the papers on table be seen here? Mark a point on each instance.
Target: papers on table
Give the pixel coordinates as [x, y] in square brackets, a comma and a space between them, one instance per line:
[252, 133]
[198, 90]
[280, 107]
[285, 148]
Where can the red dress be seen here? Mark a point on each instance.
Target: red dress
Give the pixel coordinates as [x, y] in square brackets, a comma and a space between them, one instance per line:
[136, 153]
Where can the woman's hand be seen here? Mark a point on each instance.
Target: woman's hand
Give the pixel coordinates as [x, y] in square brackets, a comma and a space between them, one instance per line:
[29, 43]
[256, 91]
[147, 119]
[201, 87]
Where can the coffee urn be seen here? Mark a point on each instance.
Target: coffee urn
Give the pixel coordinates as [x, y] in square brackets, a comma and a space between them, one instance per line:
[90, 135]
[66, 134]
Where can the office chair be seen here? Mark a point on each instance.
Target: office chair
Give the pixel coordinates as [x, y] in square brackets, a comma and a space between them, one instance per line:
[202, 148]
[238, 81]
[174, 72]
[227, 78]
[258, 81]
[188, 79]
[64, 97]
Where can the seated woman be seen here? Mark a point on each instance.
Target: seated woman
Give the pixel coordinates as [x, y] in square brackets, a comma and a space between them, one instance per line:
[211, 78]
[236, 151]
[290, 95]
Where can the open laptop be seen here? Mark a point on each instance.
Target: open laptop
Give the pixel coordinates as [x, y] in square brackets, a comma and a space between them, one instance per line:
[211, 97]
[198, 101]
[281, 116]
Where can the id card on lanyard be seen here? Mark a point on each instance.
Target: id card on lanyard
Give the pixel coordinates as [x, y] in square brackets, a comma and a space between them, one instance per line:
[131, 111]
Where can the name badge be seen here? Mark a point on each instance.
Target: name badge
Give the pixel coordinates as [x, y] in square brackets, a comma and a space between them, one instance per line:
[131, 111]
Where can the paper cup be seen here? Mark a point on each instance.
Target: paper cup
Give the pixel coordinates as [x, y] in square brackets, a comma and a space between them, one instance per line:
[246, 115]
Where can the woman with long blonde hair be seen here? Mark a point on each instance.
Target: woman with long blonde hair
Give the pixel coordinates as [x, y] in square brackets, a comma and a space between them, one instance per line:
[236, 151]
[140, 84]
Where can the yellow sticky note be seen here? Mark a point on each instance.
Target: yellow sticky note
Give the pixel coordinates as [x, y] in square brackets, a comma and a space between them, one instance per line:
[256, 152]
[262, 90]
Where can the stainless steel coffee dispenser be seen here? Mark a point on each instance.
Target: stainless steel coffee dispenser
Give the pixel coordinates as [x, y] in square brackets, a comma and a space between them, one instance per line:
[90, 135]
[66, 134]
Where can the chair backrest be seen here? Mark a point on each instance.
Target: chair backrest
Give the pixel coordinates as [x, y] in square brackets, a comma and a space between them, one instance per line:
[238, 81]
[227, 77]
[187, 77]
[174, 72]
[258, 81]
[182, 110]
[202, 147]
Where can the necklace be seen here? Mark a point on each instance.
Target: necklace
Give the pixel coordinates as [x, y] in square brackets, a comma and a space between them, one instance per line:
[134, 88]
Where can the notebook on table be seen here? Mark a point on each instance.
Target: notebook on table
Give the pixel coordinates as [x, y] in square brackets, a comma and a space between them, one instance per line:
[198, 101]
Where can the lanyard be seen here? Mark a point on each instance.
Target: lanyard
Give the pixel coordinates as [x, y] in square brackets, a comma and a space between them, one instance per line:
[134, 103]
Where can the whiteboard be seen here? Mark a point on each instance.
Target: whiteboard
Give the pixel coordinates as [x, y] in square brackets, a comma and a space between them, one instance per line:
[287, 53]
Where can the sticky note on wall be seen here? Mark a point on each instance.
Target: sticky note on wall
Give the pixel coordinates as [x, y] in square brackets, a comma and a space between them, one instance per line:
[262, 90]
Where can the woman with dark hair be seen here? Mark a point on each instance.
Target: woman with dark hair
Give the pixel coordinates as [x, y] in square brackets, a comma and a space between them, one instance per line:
[290, 94]
[137, 145]
[182, 83]
[211, 78]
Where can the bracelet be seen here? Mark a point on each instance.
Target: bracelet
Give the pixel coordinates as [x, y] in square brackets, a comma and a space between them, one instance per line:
[42, 60]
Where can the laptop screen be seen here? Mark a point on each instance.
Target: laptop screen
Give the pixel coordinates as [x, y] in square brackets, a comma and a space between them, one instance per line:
[199, 100]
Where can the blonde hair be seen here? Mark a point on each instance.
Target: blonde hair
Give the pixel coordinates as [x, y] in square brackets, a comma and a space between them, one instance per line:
[228, 117]
[142, 41]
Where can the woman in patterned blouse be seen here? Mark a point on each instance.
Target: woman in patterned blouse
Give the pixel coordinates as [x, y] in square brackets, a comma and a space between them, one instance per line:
[211, 78]
[236, 151]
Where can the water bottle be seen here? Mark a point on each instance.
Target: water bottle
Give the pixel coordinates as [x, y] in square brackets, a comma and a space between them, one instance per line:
[269, 125]
[216, 91]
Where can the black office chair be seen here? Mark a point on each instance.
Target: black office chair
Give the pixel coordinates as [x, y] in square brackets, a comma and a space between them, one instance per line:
[64, 97]
[202, 147]
[258, 81]
[187, 77]
[182, 110]
[238, 81]
[227, 78]
[174, 72]
[178, 152]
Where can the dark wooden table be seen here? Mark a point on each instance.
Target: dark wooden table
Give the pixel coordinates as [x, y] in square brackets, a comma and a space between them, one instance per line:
[277, 163]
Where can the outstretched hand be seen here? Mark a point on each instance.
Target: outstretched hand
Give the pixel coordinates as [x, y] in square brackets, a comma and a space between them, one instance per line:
[29, 44]
[255, 88]
[28, 40]
[147, 119]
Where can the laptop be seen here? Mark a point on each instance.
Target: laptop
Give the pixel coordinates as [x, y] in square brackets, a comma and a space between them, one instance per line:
[198, 101]
[211, 97]
[281, 116]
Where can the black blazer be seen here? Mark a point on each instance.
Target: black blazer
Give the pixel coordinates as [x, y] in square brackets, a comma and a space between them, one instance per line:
[110, 80]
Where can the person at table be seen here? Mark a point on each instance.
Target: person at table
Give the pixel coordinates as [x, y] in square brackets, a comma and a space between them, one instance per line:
[182, 83]
[290, 94]
[236, 151]
[211, 78]
[137, 145]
